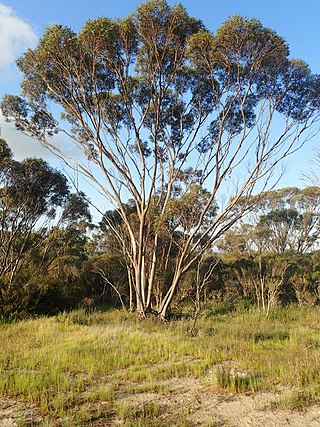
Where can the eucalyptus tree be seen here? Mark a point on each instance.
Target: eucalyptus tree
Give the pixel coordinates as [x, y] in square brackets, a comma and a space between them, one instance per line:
[293, 219]
[38, 218]
[156, 96]
[29, 190]
[287, 219]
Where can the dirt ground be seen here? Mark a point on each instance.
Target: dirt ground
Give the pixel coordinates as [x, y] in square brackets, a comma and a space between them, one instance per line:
[207, 408]
[196, 404]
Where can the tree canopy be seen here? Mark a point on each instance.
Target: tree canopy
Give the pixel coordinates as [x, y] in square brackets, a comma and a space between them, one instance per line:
[172, 114]
[39, 217]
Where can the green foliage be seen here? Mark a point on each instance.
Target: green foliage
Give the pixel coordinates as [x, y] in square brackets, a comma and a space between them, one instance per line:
[147, 97]
[239, 382]
[282, 220]
[273, 257]
[42, 240]
[133, 415]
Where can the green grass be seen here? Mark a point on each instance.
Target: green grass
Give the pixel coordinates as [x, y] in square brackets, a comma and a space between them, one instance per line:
[82, 369]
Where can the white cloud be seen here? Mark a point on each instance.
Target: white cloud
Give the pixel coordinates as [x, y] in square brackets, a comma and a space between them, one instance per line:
[15, 36]
[21, 145]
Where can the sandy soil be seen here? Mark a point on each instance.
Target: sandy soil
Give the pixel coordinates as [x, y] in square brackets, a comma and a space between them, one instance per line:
[197, 404]
[13, 411]
[207, 408]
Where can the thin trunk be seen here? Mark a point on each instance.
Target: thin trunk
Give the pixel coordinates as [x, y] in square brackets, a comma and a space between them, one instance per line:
[129, 272]
[151, 278]
[139, 304]
[104, 277]
[163, 312]
[1, 303]
[143, 281]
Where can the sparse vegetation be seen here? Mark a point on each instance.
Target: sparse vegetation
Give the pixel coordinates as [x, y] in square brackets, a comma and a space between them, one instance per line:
[94, 368]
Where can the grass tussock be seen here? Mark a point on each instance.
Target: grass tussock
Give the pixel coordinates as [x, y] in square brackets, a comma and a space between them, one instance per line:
[79, 369]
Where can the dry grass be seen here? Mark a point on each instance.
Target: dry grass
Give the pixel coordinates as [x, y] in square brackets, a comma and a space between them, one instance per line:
[82, 369]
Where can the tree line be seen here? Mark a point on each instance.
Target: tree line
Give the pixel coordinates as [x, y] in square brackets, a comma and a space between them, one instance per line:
[175, 117]
[53, 258]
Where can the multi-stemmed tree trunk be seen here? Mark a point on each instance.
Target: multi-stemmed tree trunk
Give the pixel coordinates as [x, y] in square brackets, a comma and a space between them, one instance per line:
[168, 111]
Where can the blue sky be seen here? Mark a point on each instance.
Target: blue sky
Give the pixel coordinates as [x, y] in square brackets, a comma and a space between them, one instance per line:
[297, 21]
[22, 22]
